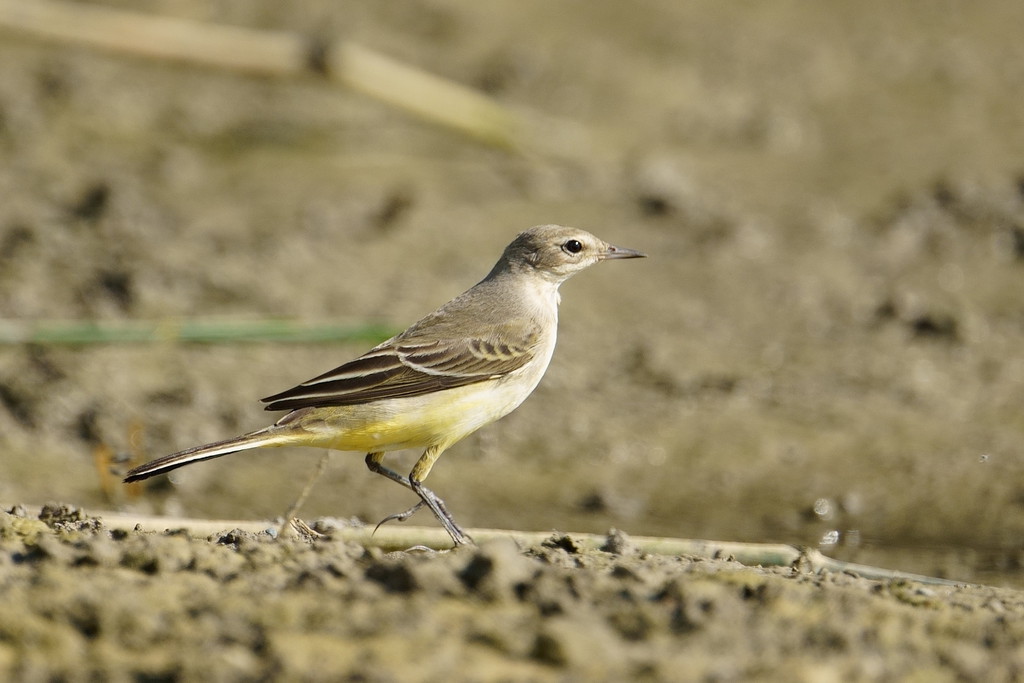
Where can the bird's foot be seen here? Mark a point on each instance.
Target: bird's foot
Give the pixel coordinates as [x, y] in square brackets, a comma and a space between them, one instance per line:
[436, 505]
[400, 516]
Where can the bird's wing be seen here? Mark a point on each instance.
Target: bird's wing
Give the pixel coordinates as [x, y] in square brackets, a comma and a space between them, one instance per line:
[420, 364]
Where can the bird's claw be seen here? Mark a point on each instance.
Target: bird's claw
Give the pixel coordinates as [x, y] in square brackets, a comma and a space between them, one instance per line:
[400, 516]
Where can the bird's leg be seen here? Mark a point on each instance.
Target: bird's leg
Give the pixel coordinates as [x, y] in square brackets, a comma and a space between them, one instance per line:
[419, 472]
[374, 461]
[436, 505]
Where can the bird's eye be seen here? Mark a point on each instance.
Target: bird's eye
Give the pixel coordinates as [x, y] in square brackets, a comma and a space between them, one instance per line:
[573, 246]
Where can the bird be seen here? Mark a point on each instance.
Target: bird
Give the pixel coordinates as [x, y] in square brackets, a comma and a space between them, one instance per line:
[464, 366]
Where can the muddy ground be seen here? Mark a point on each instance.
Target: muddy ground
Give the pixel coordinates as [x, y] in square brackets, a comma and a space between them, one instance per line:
[825, 348]
[84, 603]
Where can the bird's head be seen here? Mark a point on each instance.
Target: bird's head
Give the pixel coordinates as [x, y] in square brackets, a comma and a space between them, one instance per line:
[559, 252]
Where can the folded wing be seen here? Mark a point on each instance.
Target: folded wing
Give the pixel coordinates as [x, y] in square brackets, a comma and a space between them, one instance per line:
[413, 367]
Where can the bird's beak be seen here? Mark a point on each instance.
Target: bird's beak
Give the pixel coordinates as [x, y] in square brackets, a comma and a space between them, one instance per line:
[621, 252]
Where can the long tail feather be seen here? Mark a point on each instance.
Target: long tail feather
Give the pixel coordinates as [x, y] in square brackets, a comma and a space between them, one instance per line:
[257, 439]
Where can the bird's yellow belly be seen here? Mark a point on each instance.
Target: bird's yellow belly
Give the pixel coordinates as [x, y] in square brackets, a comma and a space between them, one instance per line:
[438, 419]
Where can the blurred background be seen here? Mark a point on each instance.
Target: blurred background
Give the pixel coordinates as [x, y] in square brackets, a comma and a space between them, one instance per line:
[825, 347]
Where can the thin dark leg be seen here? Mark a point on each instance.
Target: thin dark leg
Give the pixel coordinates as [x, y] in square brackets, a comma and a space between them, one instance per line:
[427, 497]
[375, 464]
[437, 506]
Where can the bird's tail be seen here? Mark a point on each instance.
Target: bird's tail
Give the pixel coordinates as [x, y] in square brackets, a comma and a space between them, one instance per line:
[258, 439]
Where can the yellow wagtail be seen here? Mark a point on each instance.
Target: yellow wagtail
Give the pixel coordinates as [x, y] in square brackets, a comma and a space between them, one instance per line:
[465, 365]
